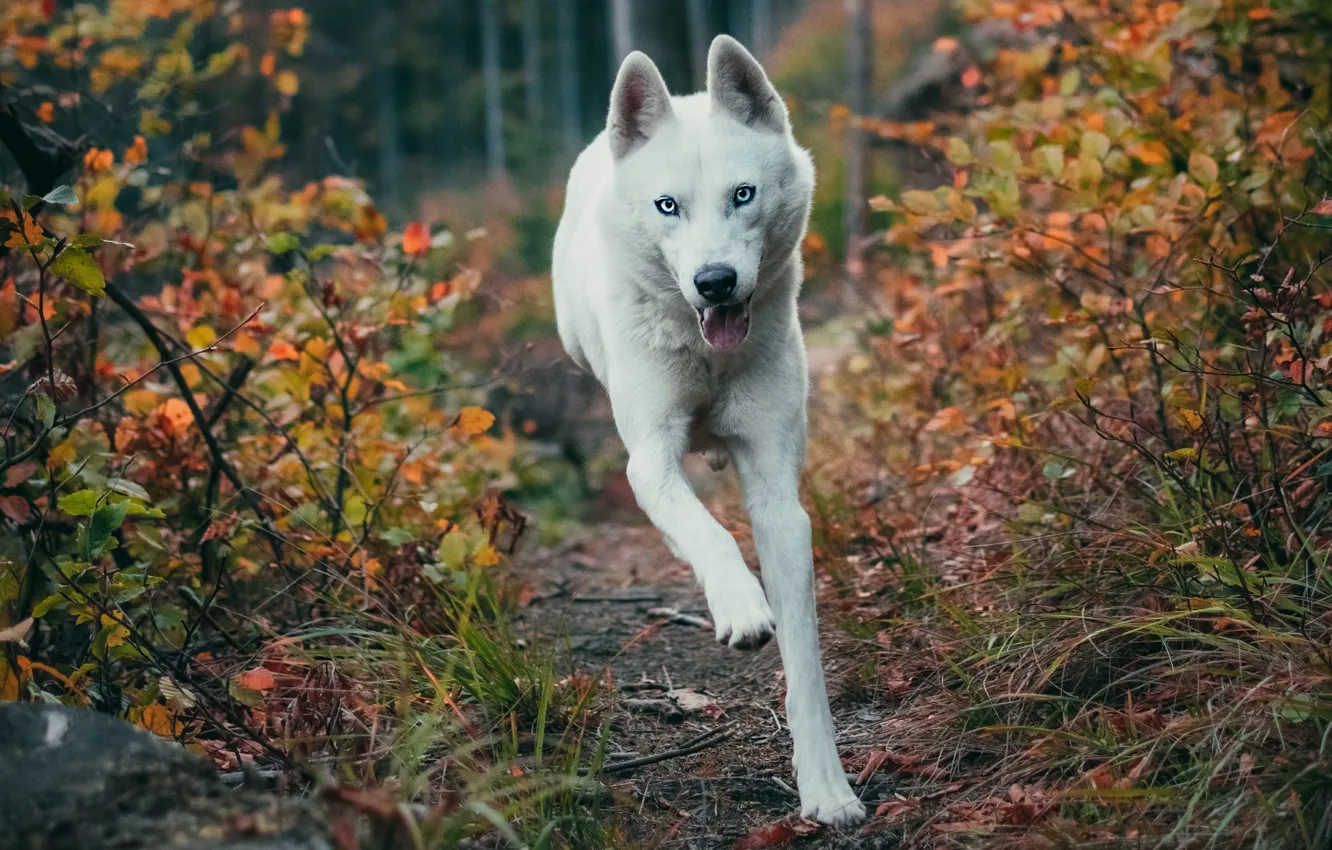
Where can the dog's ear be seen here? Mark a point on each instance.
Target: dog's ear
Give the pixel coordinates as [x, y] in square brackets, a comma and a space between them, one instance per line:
[738, 85]
[639, 104]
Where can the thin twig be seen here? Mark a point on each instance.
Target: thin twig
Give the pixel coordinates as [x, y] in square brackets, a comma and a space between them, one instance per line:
[711, 738]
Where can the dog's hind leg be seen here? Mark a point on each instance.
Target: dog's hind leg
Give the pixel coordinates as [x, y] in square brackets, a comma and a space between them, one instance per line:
[769, 467]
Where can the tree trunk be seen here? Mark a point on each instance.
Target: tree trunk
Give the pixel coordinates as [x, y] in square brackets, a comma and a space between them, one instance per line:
[390, 140]
[761, 27]
[621, 34]
[532, 61]
[859, 44]
[490, 72]
[697, 19]
[566, 48]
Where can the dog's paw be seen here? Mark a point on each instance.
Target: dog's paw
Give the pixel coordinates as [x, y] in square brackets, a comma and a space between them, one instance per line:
[742, 616]
[831, 801]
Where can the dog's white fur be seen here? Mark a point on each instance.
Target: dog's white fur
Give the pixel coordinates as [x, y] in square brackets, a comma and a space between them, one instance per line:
[627, 308]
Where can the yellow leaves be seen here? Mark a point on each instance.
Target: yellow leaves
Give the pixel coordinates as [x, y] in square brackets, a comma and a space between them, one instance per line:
[486, 556]
[288, 83]
[158, 720]
[201, 337]
[474, 420]
[1190, 418]
[416, 239]
[370, 224]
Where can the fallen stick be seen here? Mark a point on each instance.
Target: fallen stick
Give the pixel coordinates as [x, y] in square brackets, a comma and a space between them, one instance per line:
[623, 597]
[673, 615]
[711, 738]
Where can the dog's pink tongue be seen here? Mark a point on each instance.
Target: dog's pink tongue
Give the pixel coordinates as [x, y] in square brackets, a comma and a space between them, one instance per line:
[725, 327]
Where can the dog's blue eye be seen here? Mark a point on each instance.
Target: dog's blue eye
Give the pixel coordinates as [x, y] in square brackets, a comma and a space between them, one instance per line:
[666, 205]
[743, 195]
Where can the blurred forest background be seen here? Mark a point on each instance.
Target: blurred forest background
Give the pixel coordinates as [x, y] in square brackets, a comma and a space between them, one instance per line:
[294, 472]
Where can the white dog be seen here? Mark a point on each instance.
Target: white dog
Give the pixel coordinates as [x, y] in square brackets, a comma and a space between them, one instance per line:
[677, 265]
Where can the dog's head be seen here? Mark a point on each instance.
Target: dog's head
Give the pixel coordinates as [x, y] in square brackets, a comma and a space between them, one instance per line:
[710, 191]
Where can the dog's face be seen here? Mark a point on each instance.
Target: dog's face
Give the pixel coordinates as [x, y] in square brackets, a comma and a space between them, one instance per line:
[708, 191]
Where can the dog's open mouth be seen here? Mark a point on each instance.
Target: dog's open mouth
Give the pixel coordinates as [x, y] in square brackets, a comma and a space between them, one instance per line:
[725, 326]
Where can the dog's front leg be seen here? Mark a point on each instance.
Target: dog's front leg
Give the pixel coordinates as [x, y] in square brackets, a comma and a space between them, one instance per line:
[735, 598]
[769, 467]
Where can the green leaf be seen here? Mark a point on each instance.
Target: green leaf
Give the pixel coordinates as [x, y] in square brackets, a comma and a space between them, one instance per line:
[958, 151]
[44, 607]
[46, 410]
[1049, 160]
[452, 550]
[97, 240]
[1187, 453]
[1005, 157]
[61, 195]
[81, 503]
[1203, 169]
[1069, 82]
[281, 243]
[1095, 144]
[1056, 470]
[242, 694]
[130, 488]
[321, 251]
[104, 523]
[79, 268]
[30, 201]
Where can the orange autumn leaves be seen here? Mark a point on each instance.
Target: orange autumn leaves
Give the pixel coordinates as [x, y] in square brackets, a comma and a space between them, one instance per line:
[416, 239]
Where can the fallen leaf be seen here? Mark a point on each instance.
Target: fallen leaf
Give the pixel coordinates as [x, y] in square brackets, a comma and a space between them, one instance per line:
[768, 835]
[157, 719]
[259, 679]
[876, 760]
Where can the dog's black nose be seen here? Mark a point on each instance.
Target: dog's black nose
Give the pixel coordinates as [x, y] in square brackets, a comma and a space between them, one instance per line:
[715, 282]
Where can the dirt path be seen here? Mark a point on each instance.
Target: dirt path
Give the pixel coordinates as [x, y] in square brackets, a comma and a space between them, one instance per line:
[603, 591]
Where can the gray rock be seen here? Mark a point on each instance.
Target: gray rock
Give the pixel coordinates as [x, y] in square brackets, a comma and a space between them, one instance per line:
[73, 778]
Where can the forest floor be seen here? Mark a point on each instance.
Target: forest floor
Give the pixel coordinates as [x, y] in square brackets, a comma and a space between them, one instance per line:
[608, 596]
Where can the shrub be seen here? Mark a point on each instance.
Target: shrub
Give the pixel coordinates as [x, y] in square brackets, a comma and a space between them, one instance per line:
[233, 452]
[1110, 346]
